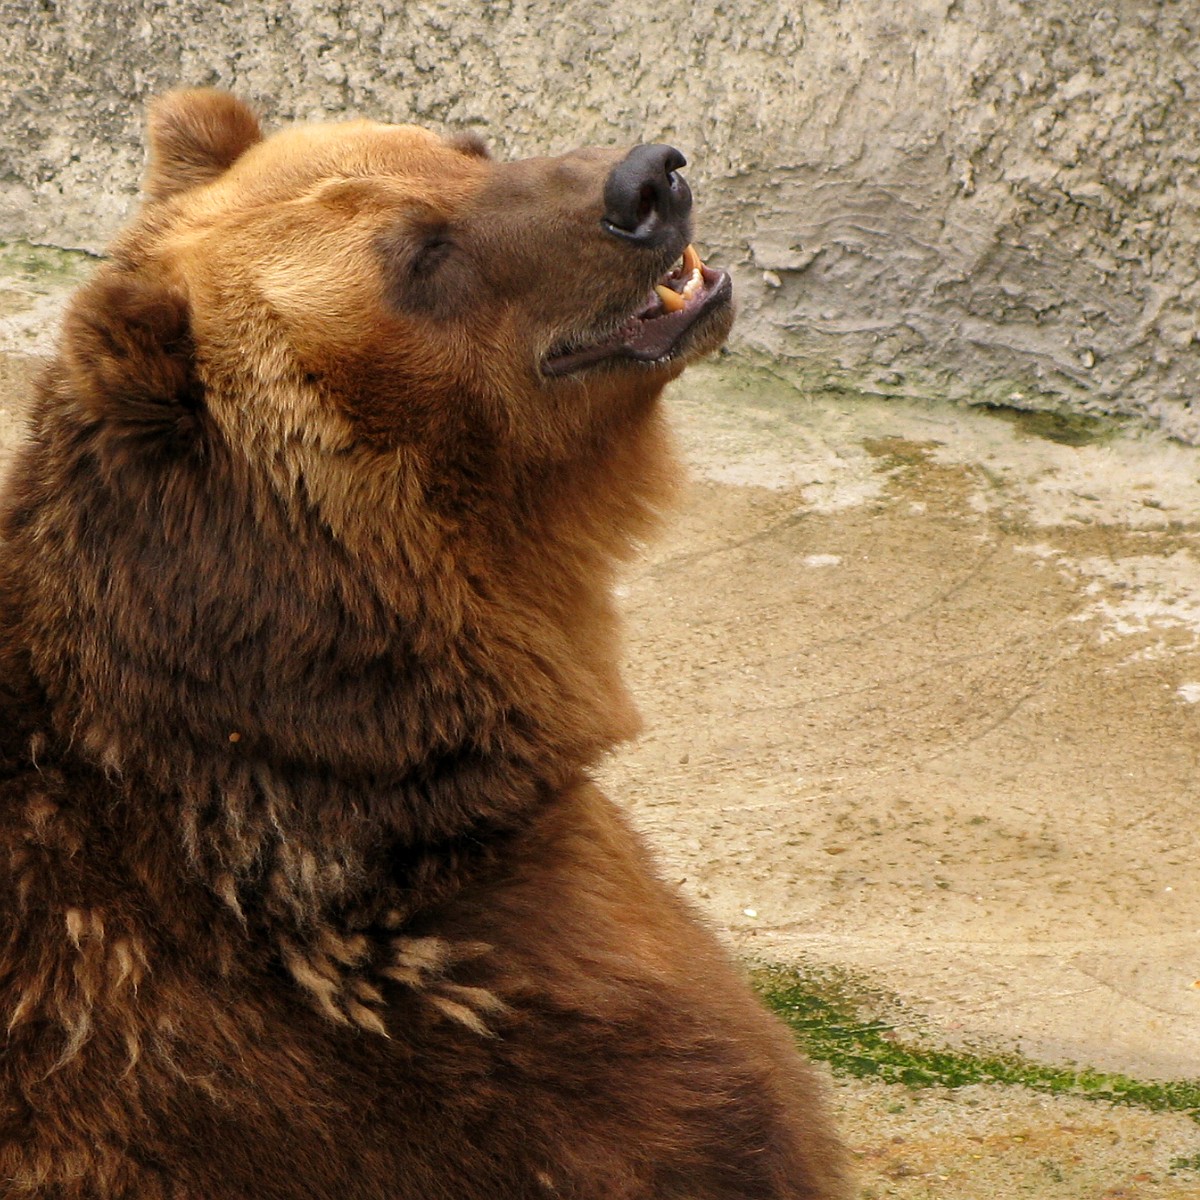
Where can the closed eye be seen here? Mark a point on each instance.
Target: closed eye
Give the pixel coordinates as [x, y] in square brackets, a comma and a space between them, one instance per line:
[425, 267]
[430, 255]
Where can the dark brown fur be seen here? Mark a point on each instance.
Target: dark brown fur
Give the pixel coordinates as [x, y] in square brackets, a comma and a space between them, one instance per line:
[306, 654]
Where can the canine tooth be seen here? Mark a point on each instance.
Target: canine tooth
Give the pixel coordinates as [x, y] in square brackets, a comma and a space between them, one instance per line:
[691, 260]
[671, 301]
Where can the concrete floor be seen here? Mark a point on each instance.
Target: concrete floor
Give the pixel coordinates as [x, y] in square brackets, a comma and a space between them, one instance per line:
[921, 689]
[921, 695]
[921, 692]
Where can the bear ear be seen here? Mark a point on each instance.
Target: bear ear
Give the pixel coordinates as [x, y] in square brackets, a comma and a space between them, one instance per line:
[130, 361]
[195, 136]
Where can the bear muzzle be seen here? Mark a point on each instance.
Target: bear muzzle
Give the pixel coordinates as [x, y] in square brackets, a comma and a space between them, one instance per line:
[688, 312]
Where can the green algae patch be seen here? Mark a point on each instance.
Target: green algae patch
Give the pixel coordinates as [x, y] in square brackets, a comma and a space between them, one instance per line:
[43, 269]
[843, 1022]
[1065, 428]
[1029, 410]
[33, 276]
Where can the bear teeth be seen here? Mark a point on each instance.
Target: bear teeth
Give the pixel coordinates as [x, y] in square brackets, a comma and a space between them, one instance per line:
[672, 301]
[677, 300]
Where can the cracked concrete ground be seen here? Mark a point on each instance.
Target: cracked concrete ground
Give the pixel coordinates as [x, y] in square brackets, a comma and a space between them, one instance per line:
[921, 693]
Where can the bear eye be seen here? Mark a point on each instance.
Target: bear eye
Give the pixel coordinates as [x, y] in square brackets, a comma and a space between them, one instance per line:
[421, 263]
[434, 249]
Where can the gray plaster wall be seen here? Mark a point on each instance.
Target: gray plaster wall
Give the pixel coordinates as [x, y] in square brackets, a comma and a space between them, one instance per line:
[992, 199]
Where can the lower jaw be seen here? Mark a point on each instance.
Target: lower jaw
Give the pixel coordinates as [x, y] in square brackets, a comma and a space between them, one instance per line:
[690, 336]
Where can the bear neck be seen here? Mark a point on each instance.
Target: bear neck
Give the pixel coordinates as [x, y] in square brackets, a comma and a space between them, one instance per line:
[334, 698]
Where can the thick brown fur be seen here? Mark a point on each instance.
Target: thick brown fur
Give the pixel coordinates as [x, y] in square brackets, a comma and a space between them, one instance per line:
[306, 654]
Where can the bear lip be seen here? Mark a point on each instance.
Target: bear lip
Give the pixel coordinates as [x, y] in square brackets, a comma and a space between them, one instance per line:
[651, 334]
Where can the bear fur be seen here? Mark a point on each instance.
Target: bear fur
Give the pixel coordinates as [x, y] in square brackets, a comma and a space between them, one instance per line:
[307, 652]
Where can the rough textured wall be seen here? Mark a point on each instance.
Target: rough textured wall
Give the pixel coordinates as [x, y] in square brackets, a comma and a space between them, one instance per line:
[986, 197]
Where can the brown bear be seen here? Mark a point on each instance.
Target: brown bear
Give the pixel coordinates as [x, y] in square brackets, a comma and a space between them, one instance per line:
[307, 652]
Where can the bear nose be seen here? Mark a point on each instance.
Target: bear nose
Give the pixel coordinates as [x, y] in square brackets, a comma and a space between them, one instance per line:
[645, 197]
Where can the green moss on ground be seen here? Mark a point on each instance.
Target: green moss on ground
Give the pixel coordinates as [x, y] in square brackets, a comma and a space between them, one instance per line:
[1066, 428]
[831, 1014]
[42, 268]
[777, 382]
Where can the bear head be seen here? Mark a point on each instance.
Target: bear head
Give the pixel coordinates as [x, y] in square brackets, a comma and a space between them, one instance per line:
[316, 526]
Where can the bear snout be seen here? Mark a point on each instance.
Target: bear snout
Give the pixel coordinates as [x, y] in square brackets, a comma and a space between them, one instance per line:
[646, 200]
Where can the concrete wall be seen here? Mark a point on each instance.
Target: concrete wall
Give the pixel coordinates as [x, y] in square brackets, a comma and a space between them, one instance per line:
[985, 198]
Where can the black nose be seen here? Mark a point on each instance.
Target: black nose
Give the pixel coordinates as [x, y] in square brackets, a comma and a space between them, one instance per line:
[646, 200]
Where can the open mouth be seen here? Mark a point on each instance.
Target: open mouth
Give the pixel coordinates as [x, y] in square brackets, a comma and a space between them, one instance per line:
[658, 328]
